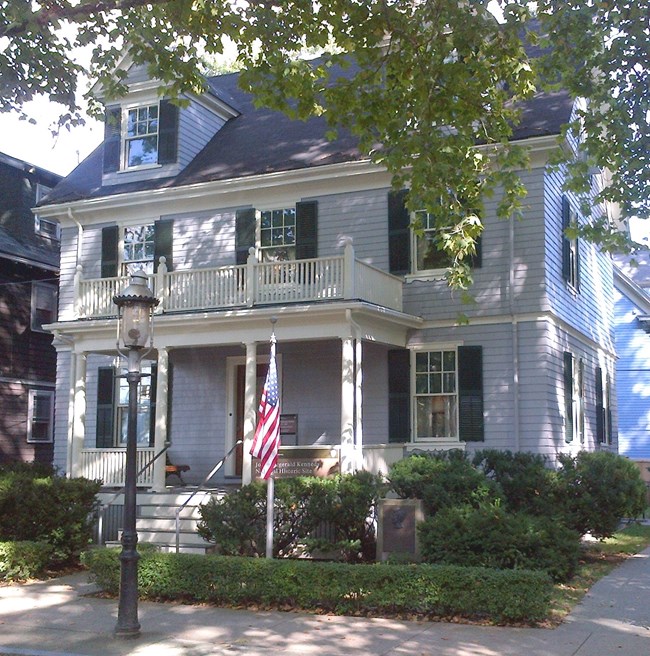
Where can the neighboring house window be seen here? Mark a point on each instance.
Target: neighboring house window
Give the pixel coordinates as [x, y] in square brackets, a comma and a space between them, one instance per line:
[44, 227]
[281, 234]
[574, 398]
[570, 246]
[277, 238]
[603, 407]
[135, 137]
[112, 407]
[436, 398]
[141, 136]
[40, 416]
[44, 301]
[138, 249]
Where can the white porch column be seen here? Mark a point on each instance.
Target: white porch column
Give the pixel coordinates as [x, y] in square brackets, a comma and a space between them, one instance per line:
[78, 414]
[250, 412]
[160, 423]
[347, 406]
[358, 397]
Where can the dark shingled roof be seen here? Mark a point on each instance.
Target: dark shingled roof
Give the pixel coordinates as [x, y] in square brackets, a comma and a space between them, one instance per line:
[261, 141]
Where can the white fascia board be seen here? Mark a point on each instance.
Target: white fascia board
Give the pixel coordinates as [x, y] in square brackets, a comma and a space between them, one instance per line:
[626, 286]
[227, 327]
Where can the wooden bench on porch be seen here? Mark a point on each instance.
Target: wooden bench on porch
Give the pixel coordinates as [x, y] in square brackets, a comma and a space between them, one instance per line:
[175, 470]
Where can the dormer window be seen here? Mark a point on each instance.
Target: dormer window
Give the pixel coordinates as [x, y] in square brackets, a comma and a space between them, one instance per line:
[140, 136]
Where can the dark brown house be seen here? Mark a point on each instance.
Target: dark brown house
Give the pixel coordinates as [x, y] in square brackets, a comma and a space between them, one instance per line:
[29, 275]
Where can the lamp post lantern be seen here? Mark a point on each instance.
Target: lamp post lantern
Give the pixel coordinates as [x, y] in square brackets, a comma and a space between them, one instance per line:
[135, 307]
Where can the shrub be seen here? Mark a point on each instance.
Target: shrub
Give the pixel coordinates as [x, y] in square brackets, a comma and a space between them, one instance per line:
[23, 559]
[237, 523]
[527, 482]
[441, 480]
[378, 589]
[597, 489]
[488, 536]
[52, 509]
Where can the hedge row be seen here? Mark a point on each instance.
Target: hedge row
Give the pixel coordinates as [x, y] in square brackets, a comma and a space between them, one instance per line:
[24, 559]
[377, 589]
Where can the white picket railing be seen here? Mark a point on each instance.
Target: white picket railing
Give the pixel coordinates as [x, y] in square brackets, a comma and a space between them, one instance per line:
[254, 283]
[108, 465]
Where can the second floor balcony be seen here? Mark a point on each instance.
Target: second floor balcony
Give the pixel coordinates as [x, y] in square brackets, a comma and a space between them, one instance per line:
[252, 284]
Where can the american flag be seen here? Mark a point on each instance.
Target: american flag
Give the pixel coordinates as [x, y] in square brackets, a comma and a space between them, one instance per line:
[266, 442]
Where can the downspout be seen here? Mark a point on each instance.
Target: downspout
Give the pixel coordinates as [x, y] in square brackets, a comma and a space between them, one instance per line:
[515, 332]
[79, 235]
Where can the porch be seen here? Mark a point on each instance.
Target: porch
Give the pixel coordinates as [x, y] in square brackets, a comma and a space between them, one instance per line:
[252, 284]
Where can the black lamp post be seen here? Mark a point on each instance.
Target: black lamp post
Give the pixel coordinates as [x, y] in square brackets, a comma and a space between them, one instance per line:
[135, 332]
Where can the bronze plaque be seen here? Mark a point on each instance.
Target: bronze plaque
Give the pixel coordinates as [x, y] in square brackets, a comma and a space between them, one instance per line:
[397, 528]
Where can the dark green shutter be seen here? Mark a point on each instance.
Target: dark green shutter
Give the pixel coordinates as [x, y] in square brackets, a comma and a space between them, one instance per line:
[399, 396]
[164, 242]
[244, 233]
[600, 407]
[608, 414]
[470, 394]
[112, 138]
[399, 233]
[110, 240]
[306, 230]
[566, 244]
[167, 133]
[152, 404]
[568, 396]
[105, 407]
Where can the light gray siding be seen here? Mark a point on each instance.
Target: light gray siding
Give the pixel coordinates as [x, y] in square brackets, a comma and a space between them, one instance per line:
[67, 271]
[196, 126]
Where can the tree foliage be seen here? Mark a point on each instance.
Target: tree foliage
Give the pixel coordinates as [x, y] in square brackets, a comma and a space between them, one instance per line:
[425, 81]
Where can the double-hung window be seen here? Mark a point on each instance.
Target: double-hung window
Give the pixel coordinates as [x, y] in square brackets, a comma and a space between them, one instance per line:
[570, 245]
[44, 305]
[436, 394]
[277, 236]
[141, 136]
[143, 421]
[428, 256]
[574, 398]
[40, 416]
[138, 249]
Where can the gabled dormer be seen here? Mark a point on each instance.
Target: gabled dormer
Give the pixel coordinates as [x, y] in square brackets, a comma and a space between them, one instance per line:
[147, 136]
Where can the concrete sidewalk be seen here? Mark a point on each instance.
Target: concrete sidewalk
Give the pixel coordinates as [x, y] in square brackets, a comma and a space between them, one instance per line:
[54, 618]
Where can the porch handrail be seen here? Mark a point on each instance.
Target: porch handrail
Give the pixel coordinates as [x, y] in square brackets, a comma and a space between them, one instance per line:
[102, 510]
[213, 471]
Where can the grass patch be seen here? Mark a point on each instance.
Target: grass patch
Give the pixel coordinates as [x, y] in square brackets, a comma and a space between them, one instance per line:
[599, 559]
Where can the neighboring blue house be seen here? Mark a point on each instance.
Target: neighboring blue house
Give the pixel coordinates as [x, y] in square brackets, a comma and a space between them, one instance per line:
[632, 325]
[239, 215]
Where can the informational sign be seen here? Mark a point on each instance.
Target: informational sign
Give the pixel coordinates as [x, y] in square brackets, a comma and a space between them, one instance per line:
[305, 461]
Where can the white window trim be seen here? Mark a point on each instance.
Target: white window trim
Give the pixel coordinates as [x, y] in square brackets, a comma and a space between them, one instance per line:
[33, 393]
[574, 246]
[424, 274]
[259, 249]
[124, 137]
[438, 441]
[120, 243]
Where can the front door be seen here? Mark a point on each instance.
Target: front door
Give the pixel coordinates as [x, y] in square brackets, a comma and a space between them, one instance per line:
[237, 411]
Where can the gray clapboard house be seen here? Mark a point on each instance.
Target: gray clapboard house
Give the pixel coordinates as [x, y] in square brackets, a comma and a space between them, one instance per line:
[239, 215]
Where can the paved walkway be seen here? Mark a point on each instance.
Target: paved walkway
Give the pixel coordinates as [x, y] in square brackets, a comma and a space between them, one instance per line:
[54, 618]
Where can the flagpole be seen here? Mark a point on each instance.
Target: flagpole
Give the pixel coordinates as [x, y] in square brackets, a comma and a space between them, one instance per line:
[270, 493]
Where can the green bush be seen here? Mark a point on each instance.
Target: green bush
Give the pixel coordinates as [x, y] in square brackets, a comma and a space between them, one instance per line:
[597, 489]
[526, 480]
[23, 559]
[441, 480]
[237, 523]
[377, 589]
[48, 509]
[488, 536]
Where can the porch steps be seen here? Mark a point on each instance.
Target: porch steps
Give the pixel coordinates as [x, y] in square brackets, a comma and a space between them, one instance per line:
[156, 521]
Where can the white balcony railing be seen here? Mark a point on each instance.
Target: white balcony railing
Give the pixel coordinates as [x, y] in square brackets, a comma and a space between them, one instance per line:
[247, 285]
[108, 466]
